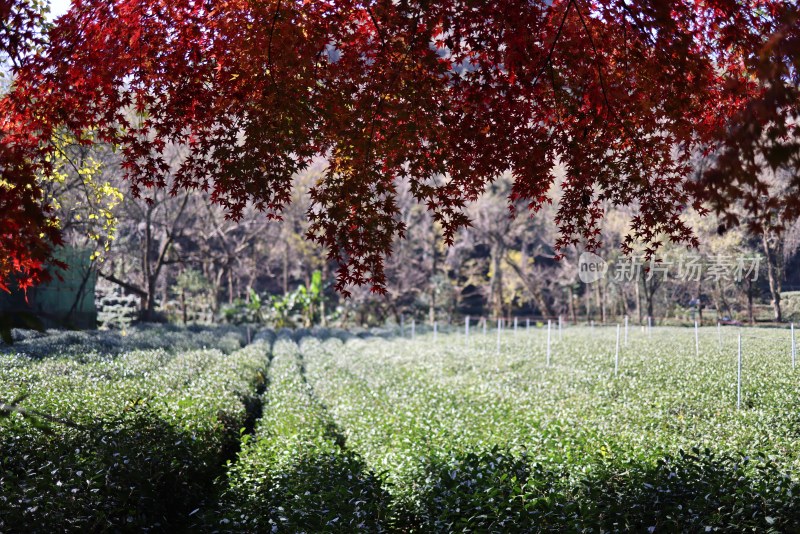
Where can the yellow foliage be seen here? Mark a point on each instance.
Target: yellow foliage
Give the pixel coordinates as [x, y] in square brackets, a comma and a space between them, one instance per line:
[91, 202]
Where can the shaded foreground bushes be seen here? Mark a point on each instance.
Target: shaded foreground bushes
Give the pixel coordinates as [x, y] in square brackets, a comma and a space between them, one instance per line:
[297, 473]
[690, 492]
[136, 472]
[137, 445]
[139, 472]
[496, 491]
[156, 441]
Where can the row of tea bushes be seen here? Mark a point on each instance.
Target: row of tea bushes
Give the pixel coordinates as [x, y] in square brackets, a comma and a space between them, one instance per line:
[404, 435]
[296, 474]
[128, 443]
[469, 440]
[87, 344]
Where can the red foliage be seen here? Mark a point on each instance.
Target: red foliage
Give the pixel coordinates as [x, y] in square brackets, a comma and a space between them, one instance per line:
[27, 232]
[445, 94]
[765, 133]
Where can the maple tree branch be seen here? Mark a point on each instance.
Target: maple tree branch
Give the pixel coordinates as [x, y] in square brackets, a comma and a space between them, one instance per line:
[637, 23]
[549, 56]
[555, 97]
[378, 106]
[269, 43]
[596, 60]
[123, 284]
[609, 108]
[377, 27]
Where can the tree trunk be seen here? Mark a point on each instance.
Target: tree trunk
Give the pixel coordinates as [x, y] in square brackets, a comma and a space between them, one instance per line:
[183, 306]
[587, 303]
[286, 269]
[532, 286]
[598, 291]
[638, 303]
[649, 293]
[774, 275]
[571, 297]
[150, 311]
[230, 285]
[496, 288]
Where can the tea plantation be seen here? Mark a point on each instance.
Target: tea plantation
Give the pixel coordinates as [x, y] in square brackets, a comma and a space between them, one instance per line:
[326, 431]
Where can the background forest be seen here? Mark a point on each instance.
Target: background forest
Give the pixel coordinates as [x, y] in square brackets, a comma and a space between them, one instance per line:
[164, 257]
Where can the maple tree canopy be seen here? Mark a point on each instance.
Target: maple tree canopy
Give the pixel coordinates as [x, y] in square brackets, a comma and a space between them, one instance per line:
[624, 94]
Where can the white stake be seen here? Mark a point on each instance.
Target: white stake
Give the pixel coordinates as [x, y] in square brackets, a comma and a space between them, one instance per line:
[592, 325]
[616, 354]
[515, 325]
[626, 330]
[435, 331]
[696, 341]
[794, 348]
[548, 342]
[527, 324]
[739, 376]
[649, 326]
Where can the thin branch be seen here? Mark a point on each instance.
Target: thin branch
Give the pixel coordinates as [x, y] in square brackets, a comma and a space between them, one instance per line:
[269, 44]
[597, 62]
[8, 409]
[377, 28]
[125, 285]
[549, 56]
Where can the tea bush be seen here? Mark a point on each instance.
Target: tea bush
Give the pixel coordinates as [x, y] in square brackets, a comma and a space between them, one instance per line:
[81, 344]
[469, 439]
[133, 442]
[318, 430]
[295, 474]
